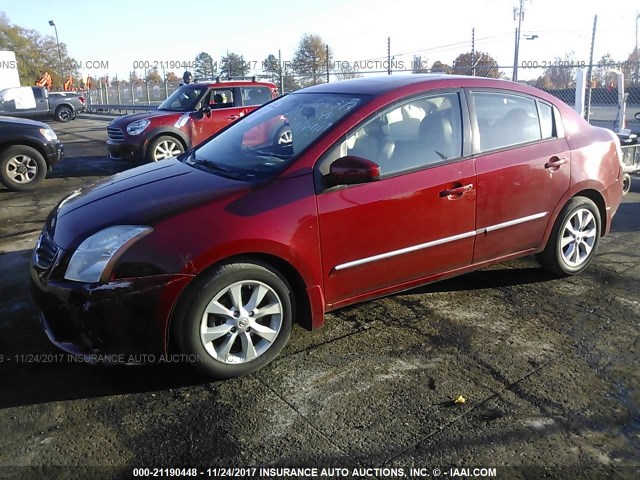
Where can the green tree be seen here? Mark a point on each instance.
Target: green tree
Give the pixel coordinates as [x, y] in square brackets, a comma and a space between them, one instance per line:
[153, 76]
[440, 67]
[204, 66]
[233, 65]
[272, 69]
[289, 81]
[35, 53]
[172, 77]
[310, 60]
[485, 65]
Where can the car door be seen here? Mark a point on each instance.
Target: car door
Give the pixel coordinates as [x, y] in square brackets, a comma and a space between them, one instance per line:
[523, 167]
[226, 107]
[418, 219]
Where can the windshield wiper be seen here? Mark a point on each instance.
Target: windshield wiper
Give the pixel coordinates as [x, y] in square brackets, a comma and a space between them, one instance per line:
[262, 153]
[214, 167]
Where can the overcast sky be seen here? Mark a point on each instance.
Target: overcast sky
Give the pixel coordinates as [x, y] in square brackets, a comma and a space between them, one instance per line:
[123, 32]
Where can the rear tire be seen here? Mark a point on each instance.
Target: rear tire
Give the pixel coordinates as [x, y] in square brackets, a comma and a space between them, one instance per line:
[22, 168]
[574, 239]
[626, 183]
[64, 113]
[235, 320]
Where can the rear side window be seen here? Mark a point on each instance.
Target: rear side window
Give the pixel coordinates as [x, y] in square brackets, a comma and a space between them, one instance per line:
[505, 120]
[255, 95]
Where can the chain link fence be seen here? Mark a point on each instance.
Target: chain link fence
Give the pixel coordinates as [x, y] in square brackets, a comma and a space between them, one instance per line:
[560, 80]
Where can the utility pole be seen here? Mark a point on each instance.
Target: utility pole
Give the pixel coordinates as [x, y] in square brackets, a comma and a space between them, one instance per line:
[518, 14]
[388, 55]
[53, 24]
[281, 73]
[636, 51]
[590, 70]
[327, 54]
[473, 52]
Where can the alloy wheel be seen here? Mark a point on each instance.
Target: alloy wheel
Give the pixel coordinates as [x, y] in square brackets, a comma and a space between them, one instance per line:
[241, 322]
[22, 169]
[578, 237]
[166, 149]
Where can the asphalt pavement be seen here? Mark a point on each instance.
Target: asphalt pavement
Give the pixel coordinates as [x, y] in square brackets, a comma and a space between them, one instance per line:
[548, 369]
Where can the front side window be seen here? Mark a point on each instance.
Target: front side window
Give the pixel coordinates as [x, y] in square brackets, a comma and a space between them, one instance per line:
[221, 98]
[413, 134]
[505, 120]
[184, 99]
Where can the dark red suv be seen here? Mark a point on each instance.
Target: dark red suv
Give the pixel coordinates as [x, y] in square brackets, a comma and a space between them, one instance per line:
[385, 184]
[190, 115]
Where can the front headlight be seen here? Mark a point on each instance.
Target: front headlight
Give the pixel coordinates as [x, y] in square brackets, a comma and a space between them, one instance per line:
[49, 134]
[137, 127]
[90, 260]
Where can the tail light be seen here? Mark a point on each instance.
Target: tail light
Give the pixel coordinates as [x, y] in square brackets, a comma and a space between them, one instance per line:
[81, 98]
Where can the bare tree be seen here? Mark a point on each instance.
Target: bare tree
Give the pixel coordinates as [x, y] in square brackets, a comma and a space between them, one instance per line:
[345, 71]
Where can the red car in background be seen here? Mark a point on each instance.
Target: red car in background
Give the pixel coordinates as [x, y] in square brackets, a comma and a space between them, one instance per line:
[190, 115]
[384, 184]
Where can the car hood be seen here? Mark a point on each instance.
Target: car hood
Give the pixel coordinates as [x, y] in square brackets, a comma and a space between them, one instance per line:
[140, 196]
[13, 121]
[127, 119]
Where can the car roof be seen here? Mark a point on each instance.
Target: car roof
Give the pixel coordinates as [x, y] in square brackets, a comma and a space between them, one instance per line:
[382, 84]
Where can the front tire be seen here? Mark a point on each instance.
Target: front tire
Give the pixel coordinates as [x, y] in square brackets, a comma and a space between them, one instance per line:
[236, 319]
[22, 168]
[574, 239]
[163, 147]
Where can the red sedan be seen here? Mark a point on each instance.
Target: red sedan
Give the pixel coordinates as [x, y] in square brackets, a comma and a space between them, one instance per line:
[382, 184]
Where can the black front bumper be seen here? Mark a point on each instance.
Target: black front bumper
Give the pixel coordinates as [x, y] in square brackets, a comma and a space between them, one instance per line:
[54, 153]
[121, 317]
[124, 151]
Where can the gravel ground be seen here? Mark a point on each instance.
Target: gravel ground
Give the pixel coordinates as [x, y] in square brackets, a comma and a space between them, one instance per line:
[548, 368]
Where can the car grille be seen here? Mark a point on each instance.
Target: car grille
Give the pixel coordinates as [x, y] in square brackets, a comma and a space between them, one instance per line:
[115, 134]
[45, 250]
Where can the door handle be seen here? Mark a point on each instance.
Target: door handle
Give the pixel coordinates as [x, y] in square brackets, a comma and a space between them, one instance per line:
[233, 117]
[456, 192]
[555, 163]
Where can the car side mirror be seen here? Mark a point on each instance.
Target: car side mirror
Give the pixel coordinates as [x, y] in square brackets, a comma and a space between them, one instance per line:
[206, 110]
[352, 170]
[637, 115]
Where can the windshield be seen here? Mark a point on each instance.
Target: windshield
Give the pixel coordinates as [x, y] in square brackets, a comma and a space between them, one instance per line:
[272, 136]
[184, 99]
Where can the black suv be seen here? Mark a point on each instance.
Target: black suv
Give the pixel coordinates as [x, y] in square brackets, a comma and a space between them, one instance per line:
[28, 149]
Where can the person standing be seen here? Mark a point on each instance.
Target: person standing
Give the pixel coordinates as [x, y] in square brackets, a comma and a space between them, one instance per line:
[187, 78]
